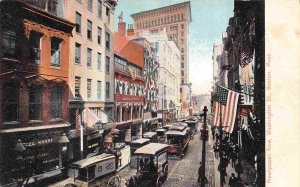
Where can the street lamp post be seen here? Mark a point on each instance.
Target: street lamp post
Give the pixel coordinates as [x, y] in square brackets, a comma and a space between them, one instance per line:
[62, 140]
[20, 148]
[204, 138]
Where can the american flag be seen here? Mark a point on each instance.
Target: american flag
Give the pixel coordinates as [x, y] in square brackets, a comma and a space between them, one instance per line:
[132, 73]
[226, 105]
[246, 58]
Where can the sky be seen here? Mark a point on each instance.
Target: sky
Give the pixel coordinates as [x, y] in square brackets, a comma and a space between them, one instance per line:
[209, 20]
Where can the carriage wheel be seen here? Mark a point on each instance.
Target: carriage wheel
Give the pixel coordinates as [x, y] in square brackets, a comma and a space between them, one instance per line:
[114, 181]
[166, 169]
[159, 181]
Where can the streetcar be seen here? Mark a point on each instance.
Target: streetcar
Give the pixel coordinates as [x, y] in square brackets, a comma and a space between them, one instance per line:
[178, 138]
[95, 171]
[152, 166]
[151, 135]
[133, 147]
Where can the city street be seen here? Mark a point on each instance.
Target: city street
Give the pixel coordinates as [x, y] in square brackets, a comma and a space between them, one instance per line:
[184, 172]
[85, 85]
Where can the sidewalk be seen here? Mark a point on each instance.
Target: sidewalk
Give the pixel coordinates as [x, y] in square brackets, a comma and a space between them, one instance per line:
[216, 162]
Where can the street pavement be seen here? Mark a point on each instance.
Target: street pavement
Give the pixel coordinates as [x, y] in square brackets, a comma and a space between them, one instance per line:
[184, 172]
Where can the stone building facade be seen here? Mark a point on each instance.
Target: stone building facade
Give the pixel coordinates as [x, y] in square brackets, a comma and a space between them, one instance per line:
[175, 19]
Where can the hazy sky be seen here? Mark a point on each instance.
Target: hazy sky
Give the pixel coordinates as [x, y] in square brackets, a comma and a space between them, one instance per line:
[209, 20]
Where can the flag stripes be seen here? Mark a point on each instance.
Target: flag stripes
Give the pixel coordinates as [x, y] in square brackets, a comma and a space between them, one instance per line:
[230, 111]
[226, 111]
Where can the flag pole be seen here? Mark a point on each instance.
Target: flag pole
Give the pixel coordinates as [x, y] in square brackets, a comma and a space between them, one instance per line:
[220, 148]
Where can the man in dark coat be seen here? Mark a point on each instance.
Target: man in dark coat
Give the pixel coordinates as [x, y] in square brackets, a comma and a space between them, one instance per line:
[233, 181]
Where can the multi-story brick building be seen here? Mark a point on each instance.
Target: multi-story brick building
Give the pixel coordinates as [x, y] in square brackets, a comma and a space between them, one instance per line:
[34, 89]
[129, 85]
[175, 19]
[91, 68]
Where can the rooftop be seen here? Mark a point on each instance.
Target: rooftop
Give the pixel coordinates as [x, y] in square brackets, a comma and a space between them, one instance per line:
[165, 7]
[152, 149]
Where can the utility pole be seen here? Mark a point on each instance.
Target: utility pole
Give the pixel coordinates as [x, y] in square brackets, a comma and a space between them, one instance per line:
[204, 138]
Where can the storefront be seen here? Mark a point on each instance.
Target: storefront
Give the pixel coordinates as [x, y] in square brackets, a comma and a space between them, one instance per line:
[32, 153]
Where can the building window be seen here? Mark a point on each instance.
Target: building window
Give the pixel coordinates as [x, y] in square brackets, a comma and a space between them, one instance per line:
[90, 5]
[180, 90]
[54, 7]
[107, 85]
[77, 87]
[35, 47]
[181, 16]
[107, 15]
[89, 57]
[89, 88]
[10, 102]
[77, 53]
[99, 38]
[182, 65]
[107, 40]
[100, 9]
[89, 30]
[182, 73]
[35, 103]
[182, 81]
[99, 84]
[99, 61]
[107, 64]
[55, 51]
[178, 17]
[56, 102]
[182, 50]
[182, 26]
[78, 22]
[182, 57]
[182, 33]
[9, 43]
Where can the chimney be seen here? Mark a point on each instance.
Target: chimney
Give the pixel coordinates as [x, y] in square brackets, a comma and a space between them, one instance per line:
[121, 25]
[130, 30]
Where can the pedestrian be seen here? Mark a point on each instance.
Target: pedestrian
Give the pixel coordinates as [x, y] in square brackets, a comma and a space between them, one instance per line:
[216, 150]
[200, 171]
[233, 181]
[213, 131]
[223, 173]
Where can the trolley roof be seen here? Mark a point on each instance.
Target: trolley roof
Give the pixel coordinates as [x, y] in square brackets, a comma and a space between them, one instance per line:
[152, 149]
[175, 132]
[161, 130]
[92, 160]
[149, 134]
[140, 141]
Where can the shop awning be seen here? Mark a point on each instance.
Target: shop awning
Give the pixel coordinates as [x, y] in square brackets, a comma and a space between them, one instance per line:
[36, 128]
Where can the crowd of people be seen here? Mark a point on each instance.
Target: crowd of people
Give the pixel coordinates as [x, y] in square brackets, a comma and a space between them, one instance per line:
[228, 153]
